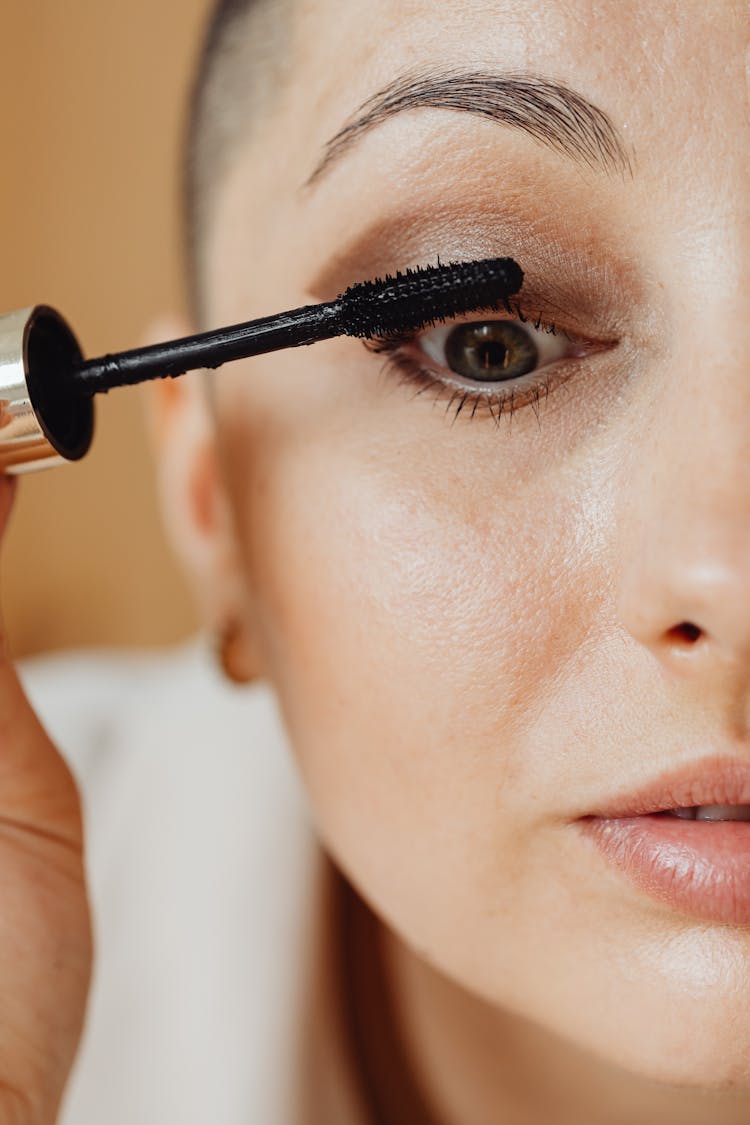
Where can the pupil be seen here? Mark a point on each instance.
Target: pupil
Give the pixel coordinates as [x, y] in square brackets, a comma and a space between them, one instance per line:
[490, 351]
[494, 355]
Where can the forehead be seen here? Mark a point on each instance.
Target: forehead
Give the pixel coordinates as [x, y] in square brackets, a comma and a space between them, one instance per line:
[636, 61]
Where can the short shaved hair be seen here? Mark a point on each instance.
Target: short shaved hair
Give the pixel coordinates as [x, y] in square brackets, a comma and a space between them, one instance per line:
[244, 55]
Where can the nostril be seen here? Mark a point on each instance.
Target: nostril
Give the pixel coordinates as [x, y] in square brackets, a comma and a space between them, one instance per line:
[685, 633]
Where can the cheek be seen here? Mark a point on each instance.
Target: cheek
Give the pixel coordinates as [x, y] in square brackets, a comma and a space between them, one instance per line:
[412, 618]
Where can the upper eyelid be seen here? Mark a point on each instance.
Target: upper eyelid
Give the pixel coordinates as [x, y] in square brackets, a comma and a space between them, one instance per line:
[516, 311]
[598, 284]
[526, 313]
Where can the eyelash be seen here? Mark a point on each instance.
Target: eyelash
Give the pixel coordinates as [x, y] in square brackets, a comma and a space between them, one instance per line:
[410, 371]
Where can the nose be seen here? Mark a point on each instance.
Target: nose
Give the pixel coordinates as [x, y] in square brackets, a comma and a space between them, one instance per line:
[685, 549]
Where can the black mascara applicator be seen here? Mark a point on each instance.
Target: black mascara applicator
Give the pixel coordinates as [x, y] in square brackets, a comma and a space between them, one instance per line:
[47, 388]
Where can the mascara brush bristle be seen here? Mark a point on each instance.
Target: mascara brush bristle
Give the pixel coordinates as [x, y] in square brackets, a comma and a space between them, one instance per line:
[414, 299]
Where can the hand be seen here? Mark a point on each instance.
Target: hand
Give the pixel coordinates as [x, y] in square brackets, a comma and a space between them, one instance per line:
[45, 935]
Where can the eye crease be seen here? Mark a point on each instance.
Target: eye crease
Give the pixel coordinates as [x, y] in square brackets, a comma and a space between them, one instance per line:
[494, 365]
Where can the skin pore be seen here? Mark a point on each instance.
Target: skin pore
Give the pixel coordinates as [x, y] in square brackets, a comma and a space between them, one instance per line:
[468, 620]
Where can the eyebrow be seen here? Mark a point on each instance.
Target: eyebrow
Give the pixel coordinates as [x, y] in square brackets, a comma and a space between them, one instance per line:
[551, 112]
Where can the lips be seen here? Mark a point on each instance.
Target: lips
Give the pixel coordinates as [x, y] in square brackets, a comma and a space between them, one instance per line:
[698, 866]
[712, 781]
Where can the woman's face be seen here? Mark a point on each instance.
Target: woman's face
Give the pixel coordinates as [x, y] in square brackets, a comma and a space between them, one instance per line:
[470, 617]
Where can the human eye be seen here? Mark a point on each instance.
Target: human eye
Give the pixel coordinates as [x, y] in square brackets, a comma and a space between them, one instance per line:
[494, 365]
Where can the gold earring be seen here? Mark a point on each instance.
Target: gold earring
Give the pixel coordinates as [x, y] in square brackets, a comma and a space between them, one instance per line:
[228, 653]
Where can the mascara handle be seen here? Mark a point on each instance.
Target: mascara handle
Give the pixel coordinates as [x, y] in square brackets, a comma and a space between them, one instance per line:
[44, 420]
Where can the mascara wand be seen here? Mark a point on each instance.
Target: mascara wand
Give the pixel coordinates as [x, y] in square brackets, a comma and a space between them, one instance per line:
[47, 388]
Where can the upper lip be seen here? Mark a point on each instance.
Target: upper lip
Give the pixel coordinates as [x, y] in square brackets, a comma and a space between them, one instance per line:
[710, 781]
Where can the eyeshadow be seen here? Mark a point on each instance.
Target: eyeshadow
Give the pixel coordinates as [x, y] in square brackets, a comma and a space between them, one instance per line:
[589, 290]
[575, 247]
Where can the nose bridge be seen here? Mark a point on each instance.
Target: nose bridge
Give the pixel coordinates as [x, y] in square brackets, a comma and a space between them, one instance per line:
[701, 424]
[687, 542]
[703, 447]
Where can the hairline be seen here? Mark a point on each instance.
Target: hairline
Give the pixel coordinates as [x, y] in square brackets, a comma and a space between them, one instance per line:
[241, 63]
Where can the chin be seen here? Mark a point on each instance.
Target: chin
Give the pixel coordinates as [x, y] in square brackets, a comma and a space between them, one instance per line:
[713, 1068]
[692, 1043]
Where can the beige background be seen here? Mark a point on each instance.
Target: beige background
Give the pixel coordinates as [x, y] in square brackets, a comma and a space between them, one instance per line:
[93, 98]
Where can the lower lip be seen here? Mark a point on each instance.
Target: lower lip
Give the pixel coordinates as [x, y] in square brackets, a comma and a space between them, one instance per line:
[699, 867]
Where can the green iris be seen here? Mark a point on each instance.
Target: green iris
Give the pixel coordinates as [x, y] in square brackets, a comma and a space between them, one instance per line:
[490, 351]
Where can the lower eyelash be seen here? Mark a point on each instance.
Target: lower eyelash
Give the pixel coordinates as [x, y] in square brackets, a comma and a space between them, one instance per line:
[411, 372]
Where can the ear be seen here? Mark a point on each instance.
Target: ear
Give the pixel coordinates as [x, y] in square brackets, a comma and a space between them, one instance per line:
[196, 511]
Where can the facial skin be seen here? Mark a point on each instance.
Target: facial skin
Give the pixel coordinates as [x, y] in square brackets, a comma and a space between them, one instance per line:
[468, 624]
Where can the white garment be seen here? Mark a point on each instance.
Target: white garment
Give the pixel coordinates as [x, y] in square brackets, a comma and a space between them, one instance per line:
[200, 856]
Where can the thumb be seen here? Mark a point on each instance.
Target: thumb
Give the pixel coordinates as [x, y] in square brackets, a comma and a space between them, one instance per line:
[33, 776]
[45, 928]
